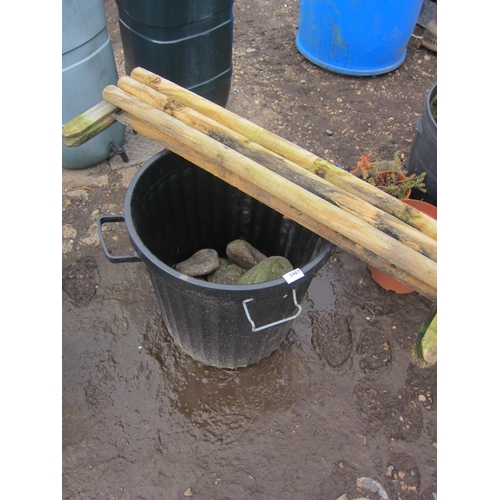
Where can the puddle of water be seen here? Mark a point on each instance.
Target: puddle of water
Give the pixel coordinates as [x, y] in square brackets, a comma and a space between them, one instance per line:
[257, 388]
[152, 420]
[321, 294]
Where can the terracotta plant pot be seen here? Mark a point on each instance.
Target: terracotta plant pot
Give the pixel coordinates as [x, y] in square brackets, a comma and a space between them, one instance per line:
[381, 181]
[388, 282]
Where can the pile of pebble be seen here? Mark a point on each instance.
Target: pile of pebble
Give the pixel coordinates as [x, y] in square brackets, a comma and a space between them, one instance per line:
[242, 265]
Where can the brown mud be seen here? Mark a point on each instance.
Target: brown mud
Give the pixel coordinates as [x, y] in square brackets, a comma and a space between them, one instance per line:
[340, 399]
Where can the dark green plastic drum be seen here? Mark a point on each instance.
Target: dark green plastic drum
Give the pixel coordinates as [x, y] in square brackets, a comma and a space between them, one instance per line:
[187, 42]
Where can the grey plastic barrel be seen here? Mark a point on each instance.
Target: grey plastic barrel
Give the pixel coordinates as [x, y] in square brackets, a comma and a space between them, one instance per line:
[189, 43]
[88, 66]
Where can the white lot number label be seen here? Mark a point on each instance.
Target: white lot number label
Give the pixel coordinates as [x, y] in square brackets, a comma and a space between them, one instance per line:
[293, 275]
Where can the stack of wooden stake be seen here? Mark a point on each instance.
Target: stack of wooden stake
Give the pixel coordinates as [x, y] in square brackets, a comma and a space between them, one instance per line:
[350, 213]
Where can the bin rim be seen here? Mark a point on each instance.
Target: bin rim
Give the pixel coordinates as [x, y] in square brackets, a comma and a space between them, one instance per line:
[147, 256]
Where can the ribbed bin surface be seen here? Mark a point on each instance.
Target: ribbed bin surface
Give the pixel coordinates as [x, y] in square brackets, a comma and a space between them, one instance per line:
[189, 43]
[173, 209]
[88, 66]
[423, 154]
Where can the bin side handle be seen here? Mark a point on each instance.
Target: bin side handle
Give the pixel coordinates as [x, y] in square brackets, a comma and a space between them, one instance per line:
[269, 325]
[115, 259]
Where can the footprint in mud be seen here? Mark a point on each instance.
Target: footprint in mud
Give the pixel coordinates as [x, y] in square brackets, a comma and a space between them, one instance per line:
[96, 397]
[375, 350]
[79, 281]
[396, 415]
[403, 475]
[331, 337]
[423, 382]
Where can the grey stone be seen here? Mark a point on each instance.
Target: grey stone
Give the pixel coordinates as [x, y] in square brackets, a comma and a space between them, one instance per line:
[227, 274]
[69, 235]
[74, 179]
[201, 263]
[78, 194]
[267, 270]
[243, 254]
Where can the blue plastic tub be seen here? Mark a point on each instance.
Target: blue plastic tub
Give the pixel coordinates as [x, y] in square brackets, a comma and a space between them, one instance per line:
[88, 65]
[356, 37]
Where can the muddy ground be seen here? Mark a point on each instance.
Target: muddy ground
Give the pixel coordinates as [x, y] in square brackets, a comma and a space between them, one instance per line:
[340, 399]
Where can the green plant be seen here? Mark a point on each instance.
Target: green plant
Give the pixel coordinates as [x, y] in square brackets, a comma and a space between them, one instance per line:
[389, 176]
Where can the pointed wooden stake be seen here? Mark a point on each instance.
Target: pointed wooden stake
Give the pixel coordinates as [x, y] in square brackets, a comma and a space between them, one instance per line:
[285, 168]
[310, 223]
[291, 152]
[324, 212]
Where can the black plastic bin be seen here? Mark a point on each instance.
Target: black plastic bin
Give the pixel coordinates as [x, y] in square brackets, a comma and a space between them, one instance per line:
[423, 154]
[189, 43]
[174, 208]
